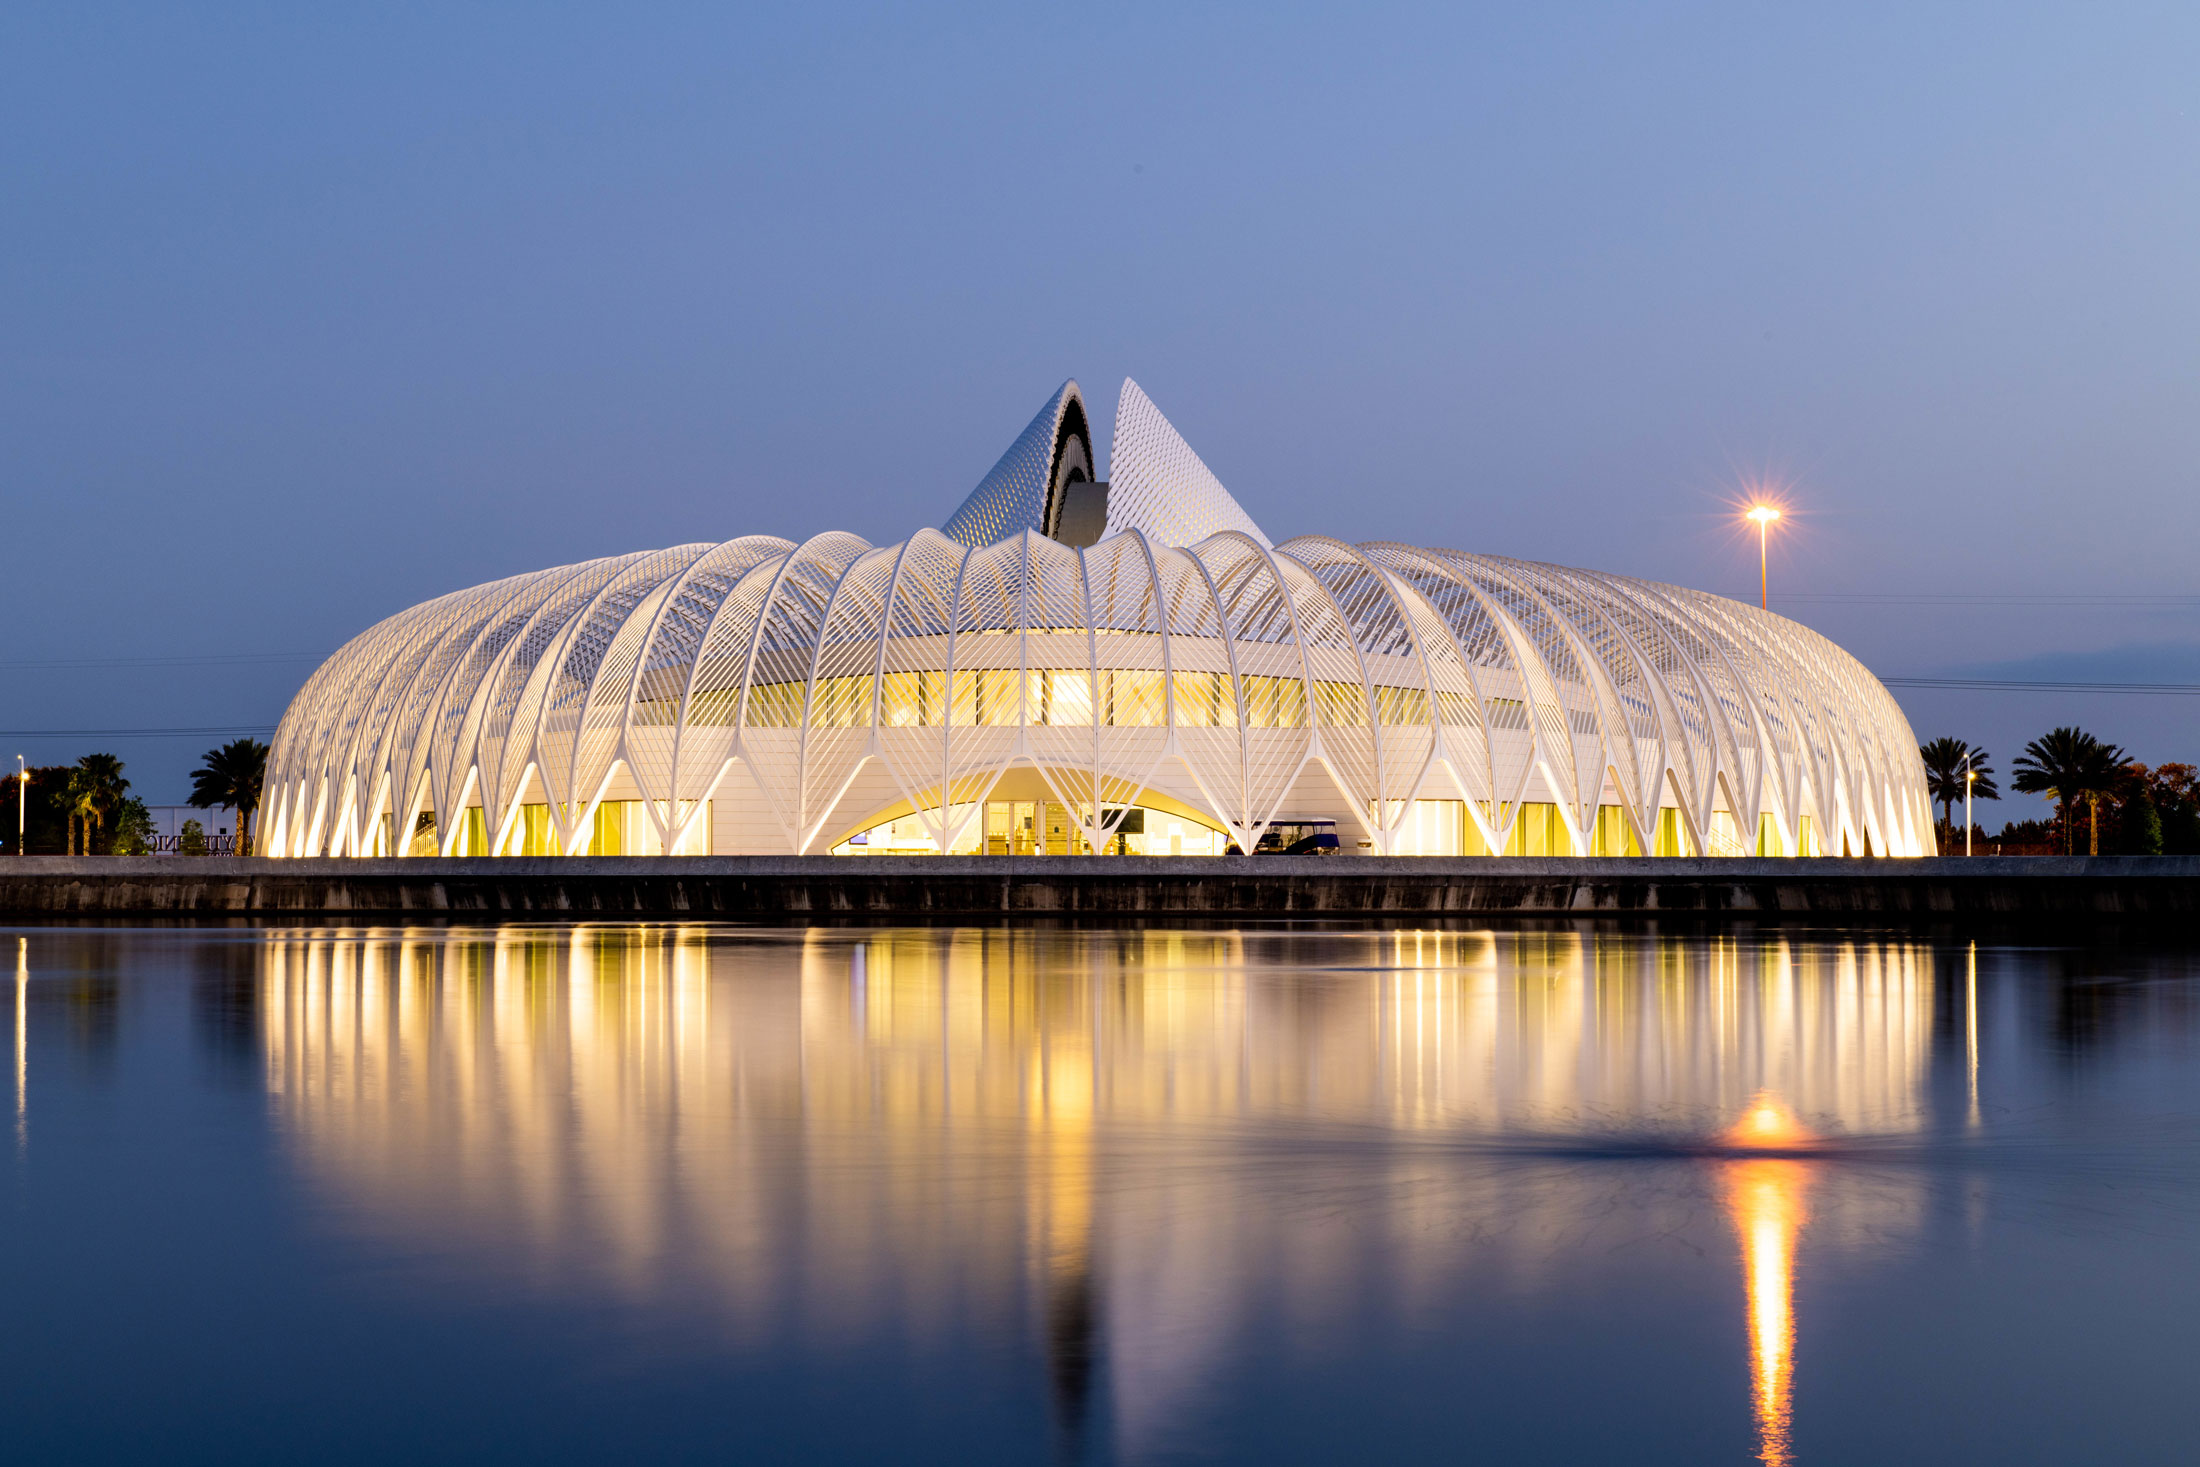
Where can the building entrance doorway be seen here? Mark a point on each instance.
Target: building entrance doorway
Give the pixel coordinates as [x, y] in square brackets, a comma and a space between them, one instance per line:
[1040, 827]
[1032, 828]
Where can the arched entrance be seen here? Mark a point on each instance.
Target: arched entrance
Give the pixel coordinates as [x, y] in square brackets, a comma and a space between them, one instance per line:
[1022, 816]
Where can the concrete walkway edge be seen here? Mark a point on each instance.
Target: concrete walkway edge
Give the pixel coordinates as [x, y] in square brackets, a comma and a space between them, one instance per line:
[790, 888]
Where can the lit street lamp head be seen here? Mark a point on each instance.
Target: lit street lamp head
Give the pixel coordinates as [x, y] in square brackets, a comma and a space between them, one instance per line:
[1762, 516]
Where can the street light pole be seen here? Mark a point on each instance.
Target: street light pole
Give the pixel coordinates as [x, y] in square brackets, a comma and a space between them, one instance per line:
[1969, 776]
[1763, 515]
[22, 801]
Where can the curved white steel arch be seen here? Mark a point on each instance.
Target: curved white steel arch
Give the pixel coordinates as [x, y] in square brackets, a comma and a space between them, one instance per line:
[824, 682]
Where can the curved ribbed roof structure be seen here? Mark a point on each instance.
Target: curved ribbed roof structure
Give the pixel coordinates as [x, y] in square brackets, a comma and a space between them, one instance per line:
[767, 696]
[1025, 489]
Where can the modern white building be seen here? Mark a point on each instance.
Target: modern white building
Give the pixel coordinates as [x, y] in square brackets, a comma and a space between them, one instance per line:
[1070, 666]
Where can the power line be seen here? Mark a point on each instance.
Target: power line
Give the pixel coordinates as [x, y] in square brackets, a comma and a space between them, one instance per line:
[231, 659]
[2030, 685]
[1992, 598]
[135, 733]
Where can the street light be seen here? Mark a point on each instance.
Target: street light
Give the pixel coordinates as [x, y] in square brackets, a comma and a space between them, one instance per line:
[1763, 515]
[22, 799]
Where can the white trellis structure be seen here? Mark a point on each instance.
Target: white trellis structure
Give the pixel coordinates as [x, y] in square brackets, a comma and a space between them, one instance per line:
[834, 679]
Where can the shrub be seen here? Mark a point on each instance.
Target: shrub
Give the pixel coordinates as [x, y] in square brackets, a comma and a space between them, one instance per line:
[2139, 826]
[133, 833]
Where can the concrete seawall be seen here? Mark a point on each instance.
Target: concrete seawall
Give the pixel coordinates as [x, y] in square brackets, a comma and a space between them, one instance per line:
[786, 888]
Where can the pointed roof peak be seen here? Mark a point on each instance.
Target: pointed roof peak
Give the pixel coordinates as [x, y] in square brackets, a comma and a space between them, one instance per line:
[1024, 489]
[1158, 484]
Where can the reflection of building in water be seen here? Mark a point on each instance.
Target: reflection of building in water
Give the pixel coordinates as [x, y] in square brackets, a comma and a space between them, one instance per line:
[850, 1132]
[1414, 1029]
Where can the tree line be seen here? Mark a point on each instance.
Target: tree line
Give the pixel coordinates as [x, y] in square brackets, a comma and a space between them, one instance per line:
[2104, 799]
[86, 808]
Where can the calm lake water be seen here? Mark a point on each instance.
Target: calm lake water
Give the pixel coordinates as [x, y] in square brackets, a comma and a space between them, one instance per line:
[654, 1193]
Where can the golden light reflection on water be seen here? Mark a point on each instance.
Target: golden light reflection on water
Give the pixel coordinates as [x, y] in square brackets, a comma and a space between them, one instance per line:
[1765, 1199]
[1768, 1125]
[812, 1133]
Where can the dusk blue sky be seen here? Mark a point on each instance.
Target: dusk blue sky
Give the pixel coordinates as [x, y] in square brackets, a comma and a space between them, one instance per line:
[308, 313]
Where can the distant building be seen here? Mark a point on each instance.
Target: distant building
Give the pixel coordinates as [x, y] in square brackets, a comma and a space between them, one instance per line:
[168, 828]
[1080, 665]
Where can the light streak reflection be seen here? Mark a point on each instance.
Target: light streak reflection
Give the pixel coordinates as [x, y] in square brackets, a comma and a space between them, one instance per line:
[1765, 1200]
[1970, 1028]
[1765, 1197]
[22, 1040]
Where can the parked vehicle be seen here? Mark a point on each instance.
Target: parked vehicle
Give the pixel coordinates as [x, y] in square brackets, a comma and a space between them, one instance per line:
[1298, 838]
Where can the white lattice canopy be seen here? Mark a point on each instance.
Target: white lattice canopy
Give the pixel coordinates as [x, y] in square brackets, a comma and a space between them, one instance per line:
[759, 695]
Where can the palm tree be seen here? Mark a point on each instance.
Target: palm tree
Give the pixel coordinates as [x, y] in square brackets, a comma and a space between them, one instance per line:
[231, 777]
[1947, 761]
[80, 802]
[2070, 764]
[96, 786]
[2109, 770]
